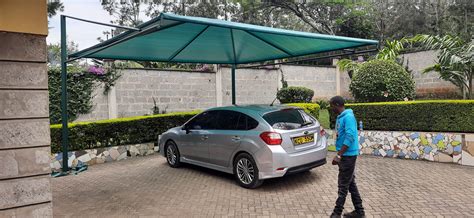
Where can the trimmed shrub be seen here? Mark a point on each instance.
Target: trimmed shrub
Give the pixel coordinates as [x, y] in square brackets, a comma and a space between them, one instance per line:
[429, 116]
[380, 81]
[309, 108]
[323, 104]
[114, 132]
[294, 94]
[131, 130]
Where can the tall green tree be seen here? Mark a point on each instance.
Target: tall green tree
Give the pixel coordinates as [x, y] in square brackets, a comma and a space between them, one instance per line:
[124, 13]
[454, 60]
[320, 15]
[54, 7]
[54, 52]
[356, 22]
[407, 18]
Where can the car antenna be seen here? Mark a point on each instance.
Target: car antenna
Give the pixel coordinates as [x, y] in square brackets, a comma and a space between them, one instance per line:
[273, 101]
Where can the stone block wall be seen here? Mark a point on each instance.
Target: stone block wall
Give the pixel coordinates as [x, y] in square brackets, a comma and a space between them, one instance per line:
[431, 146]
[24, 126]
[253, 86]
[173, 91]
[427, 83]
[101, 155]
[260, 86]
[100, 109]
[186, 90]
[322, 80]
[176, 91]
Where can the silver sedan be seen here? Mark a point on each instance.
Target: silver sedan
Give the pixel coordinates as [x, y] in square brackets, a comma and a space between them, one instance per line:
[252, 142]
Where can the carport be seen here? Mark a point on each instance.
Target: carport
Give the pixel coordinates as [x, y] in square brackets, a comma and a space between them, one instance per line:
[182, 39]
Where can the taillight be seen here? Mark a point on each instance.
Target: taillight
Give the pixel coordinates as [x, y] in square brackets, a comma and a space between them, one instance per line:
[322, 132]
[271, 138]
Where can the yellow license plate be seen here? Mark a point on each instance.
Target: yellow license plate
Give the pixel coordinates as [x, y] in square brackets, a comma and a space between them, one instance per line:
[303, 139]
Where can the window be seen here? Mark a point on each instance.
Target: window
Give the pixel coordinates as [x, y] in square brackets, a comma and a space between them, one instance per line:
[233, 120]
[246, 123]
[288, 119]
[228, 120]
[205, 120]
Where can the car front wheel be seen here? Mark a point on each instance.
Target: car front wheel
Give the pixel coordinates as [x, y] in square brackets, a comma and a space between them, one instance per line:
[246, 171]
[172, 154]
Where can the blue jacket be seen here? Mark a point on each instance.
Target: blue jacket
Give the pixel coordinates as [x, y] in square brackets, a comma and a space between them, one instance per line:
[346, 126]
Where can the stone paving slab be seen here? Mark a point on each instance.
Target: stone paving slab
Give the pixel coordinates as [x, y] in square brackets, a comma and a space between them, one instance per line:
[148, 187]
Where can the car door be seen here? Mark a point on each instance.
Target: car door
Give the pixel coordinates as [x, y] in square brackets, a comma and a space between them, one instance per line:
[231, 129]
[224, 139]
[194, 144]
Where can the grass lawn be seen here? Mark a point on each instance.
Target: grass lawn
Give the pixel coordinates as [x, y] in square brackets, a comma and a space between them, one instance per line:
[324, 118]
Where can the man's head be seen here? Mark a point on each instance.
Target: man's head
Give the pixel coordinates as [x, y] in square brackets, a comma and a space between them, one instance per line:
[337, 104]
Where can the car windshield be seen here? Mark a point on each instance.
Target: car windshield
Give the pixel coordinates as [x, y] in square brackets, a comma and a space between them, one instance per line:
[288, 119]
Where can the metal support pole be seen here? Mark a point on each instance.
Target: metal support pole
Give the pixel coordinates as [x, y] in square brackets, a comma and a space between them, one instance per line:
[64, 128]
[233, 84]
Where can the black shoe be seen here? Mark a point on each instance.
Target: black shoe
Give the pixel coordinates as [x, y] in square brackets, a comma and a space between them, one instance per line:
[355, 214]
[335, 215]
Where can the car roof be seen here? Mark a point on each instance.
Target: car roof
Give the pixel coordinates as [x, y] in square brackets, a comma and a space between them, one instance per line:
[253, 108]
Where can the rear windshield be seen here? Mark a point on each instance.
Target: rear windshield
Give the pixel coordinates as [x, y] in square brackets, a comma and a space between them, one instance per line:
[289, 119]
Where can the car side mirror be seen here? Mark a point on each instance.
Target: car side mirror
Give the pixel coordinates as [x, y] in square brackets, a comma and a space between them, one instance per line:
[186, 128]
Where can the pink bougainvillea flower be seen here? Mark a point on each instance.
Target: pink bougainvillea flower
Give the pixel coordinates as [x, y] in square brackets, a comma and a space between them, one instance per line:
[96, 70]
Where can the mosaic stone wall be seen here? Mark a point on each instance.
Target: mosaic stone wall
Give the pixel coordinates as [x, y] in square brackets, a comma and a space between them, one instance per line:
[438, 147]
[102, 155]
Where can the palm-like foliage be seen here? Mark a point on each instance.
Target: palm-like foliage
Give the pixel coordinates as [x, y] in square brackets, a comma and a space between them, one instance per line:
[391, 50]
[454, 64]
[455, 59]
[347, 65]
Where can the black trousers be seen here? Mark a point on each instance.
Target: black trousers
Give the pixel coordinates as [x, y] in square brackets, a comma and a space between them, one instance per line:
[346, 183]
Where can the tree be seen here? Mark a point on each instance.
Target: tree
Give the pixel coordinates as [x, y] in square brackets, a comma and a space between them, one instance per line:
[319, 14]
[382, 80]
[407, 18]
[54, 7]
[125, 13]
[356, 23]
[54, 52]
[455, 60]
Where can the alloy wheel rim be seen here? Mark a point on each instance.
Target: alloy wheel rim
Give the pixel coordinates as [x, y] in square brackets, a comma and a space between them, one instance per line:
[171, 155]
[245, 171]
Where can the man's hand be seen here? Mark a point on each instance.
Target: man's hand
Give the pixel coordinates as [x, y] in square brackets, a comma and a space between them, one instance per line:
[336, 160]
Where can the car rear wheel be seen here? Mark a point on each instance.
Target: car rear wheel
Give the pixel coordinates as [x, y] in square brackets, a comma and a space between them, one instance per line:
[246, 171]
[172, 154]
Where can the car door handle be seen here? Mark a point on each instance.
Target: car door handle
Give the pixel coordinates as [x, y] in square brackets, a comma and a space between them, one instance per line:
[204, 137]
[235, 138]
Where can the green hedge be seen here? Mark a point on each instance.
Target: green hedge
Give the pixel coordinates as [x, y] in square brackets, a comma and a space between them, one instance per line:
[429, 116]
[126, 131]
[114, 132]
[309, 108]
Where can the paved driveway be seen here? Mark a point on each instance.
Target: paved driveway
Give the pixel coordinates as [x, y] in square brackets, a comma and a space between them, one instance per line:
[146, 186]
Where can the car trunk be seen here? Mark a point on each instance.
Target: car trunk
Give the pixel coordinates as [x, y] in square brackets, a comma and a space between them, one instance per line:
[298, 140]
[299, 131]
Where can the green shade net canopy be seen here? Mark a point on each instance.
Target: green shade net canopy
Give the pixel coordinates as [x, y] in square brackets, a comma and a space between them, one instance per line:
[173, 38]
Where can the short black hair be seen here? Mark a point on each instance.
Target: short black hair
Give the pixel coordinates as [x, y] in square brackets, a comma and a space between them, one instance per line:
[337, 100]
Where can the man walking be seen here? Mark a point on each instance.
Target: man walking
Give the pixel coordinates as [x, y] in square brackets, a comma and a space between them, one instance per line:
[347, 146]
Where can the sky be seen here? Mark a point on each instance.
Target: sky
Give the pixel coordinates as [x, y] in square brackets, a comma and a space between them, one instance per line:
[82, 33]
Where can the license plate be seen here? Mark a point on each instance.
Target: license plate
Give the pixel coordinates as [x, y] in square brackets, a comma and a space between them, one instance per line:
[303, 139]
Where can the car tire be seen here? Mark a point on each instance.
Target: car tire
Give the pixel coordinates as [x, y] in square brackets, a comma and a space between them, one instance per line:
[246, 171]
[172, 154]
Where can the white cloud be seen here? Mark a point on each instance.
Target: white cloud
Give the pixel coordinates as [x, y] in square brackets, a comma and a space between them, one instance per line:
[85, 34]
